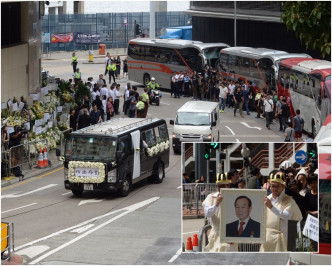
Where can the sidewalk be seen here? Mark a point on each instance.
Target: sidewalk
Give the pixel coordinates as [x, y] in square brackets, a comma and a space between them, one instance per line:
[29, 173]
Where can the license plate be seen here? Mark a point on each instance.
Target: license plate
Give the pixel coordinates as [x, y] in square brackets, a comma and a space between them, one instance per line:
[88, 186]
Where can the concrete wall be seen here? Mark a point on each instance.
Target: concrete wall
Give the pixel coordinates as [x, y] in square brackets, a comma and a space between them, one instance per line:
[14, 78]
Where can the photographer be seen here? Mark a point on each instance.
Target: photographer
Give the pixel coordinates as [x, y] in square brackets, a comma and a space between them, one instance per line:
[15, 140]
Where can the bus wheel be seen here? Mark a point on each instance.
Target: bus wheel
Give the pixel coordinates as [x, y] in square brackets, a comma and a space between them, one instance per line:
[313, 128]
[160, 173]
[77, 192]
[124, 190]
[146, 79]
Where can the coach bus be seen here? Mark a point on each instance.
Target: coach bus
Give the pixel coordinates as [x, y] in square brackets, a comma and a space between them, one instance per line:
[260, 65]
[159, 58]
[304, 83]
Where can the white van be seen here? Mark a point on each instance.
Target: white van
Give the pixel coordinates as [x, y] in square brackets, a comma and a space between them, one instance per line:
[196, 121]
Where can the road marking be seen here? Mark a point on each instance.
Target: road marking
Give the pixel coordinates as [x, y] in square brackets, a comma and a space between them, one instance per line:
[128, 209]
[246, 124]
[19, 208]
[32, 252]
[82, 229]
[176, 255]
[194, 232]
[66, 193]
[88, 201]
[164, 103]
[230, 130]
[31, 179]
[27, 193]
[179, 187]
[237, 140]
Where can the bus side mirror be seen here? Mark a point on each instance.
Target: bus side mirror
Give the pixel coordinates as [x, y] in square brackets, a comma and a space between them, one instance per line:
[171, 122]
[57, 152]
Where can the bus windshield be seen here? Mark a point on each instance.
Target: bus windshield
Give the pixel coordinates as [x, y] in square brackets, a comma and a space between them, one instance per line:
[91, 148]
[211, 55]
[194, 119]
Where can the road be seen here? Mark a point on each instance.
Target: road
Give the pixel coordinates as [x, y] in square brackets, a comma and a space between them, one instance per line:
[54, 227]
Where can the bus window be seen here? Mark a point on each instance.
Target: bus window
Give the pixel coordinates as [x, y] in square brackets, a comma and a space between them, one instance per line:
[192, 58]
[254, 73]
[315, 81]
[265, 66]
[232, 64]
[245, 66]
[223, 62]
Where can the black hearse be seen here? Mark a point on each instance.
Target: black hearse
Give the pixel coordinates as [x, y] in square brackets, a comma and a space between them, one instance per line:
[114, 155]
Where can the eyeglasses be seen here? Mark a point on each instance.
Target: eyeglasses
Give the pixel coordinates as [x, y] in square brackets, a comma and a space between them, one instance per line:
[276, 186]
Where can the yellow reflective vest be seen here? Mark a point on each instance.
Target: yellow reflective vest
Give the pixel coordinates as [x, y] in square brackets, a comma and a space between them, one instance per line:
[112, 66]
[145, 97]
[140, 105]
[74, 59]
[77, 75]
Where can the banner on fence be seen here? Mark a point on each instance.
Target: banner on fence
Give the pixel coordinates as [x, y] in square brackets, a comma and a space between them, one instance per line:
[62, 37]
[87, 38]
[46, 37]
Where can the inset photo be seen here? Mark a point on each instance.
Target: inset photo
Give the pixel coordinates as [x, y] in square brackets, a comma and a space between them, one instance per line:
[251, 197]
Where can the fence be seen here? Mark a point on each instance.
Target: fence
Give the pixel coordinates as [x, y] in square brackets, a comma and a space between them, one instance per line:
[7, 240]
[115, 29]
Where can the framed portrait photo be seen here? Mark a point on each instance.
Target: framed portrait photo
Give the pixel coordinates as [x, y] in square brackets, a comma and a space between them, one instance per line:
[243, 216]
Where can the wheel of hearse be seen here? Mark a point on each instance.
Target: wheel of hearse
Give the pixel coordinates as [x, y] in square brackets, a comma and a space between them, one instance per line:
[77, 192]
[124, 190]
[146, 79]
[160, 173]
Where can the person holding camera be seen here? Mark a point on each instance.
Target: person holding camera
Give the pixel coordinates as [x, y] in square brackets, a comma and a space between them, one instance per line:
[15, 140]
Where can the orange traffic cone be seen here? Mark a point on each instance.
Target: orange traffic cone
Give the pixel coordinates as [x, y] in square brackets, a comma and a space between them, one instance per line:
[195, 243]
[45, 157]
[40, 159]
[189, 245]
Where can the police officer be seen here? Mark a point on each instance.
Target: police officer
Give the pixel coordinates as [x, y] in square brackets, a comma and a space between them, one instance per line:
[145, 100]
[77, 76]
[140, 107]
[186, 80]
[111, 67]
[74, 61]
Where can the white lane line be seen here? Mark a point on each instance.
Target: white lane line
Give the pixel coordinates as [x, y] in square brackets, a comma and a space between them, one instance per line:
[230, 130]
[246, 124]
[32, 252]
[82, 229]
[66, 193]
[89, 201]
[179, 187]
[128, 209]
[164, 103]
[175, 256]
[237, 140]
[27, 193]
[193, 232]
[19, 208]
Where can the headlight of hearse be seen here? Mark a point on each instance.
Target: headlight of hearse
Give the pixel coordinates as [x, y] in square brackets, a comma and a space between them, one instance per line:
[111, 177]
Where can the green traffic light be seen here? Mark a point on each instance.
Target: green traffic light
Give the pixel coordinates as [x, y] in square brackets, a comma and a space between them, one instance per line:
[207, 156]
[214, 145]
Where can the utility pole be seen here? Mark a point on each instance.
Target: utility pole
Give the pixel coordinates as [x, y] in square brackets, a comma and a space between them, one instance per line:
[152, 32]
[234, 23]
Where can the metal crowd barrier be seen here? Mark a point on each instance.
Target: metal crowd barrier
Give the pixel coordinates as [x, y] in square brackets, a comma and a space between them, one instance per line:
[193, 196]
[7, 240]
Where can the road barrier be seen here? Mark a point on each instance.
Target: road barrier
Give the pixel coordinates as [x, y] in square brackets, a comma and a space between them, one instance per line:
[7, 240]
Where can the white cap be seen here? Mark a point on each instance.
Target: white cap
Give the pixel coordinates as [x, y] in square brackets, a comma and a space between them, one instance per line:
[285, 165]
[153, 79]
[302, 172]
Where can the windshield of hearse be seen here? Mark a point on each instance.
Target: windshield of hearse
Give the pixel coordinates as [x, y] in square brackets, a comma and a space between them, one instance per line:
[194, 119]
[91, 148]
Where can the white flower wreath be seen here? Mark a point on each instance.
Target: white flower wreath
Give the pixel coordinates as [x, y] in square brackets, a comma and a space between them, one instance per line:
[85, 179]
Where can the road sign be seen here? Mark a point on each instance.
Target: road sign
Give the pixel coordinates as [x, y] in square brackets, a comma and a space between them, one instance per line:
[301, 157]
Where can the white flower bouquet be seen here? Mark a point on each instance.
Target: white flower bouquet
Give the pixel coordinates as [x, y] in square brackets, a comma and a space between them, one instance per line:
[86, 179]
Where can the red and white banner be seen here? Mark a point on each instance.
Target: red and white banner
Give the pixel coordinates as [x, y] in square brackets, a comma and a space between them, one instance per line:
[62, 37]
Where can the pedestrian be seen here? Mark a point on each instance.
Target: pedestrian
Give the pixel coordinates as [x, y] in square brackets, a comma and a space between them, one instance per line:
[298, 124]
[186, 83]
[177, 86]
[77, 76]
[104, 91]
[222, 97]
[125, 68]
[132, 106]
[118, 67]
[181, 82]
[126, 101]
[233, 175]
[172, 83]
[285, 114]
[101, 81]
[268, 110]
[117, 97]
[111, 67]
[251, 97]
[289, 133]
[106, 63]
[258, 100]
[5, 138]
[145, 99]
[85, 119]
[95, 115]
[194, 85]
[140, 108]
[200, 86]
[238, 99]
[187, 191]
[74, 61]
[109, 108]
[95, 93]
[87, 102]
[230, 102]
[245, 99]
[278, 112]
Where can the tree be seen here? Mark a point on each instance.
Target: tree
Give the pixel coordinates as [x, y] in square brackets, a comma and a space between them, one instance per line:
[311, 21]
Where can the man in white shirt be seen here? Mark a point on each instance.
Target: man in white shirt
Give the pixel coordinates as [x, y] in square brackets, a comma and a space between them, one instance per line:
[222, 97]
[177, 86]
[268, 110]
[103, 91]
[106, 62]
[117, 97]
[280, 209]
[111, 91]
[230, 101]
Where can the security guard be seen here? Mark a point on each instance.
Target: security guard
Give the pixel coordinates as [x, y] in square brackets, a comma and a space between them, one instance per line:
[74, 61]
[77, 76]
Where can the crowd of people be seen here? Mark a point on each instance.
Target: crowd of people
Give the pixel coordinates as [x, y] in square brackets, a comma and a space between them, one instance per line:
[292, 194]
[241, 96]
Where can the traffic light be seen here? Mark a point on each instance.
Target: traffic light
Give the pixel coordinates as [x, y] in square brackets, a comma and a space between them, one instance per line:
[207, 152]
[311, 150]
[137, 29]
[214, 145]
